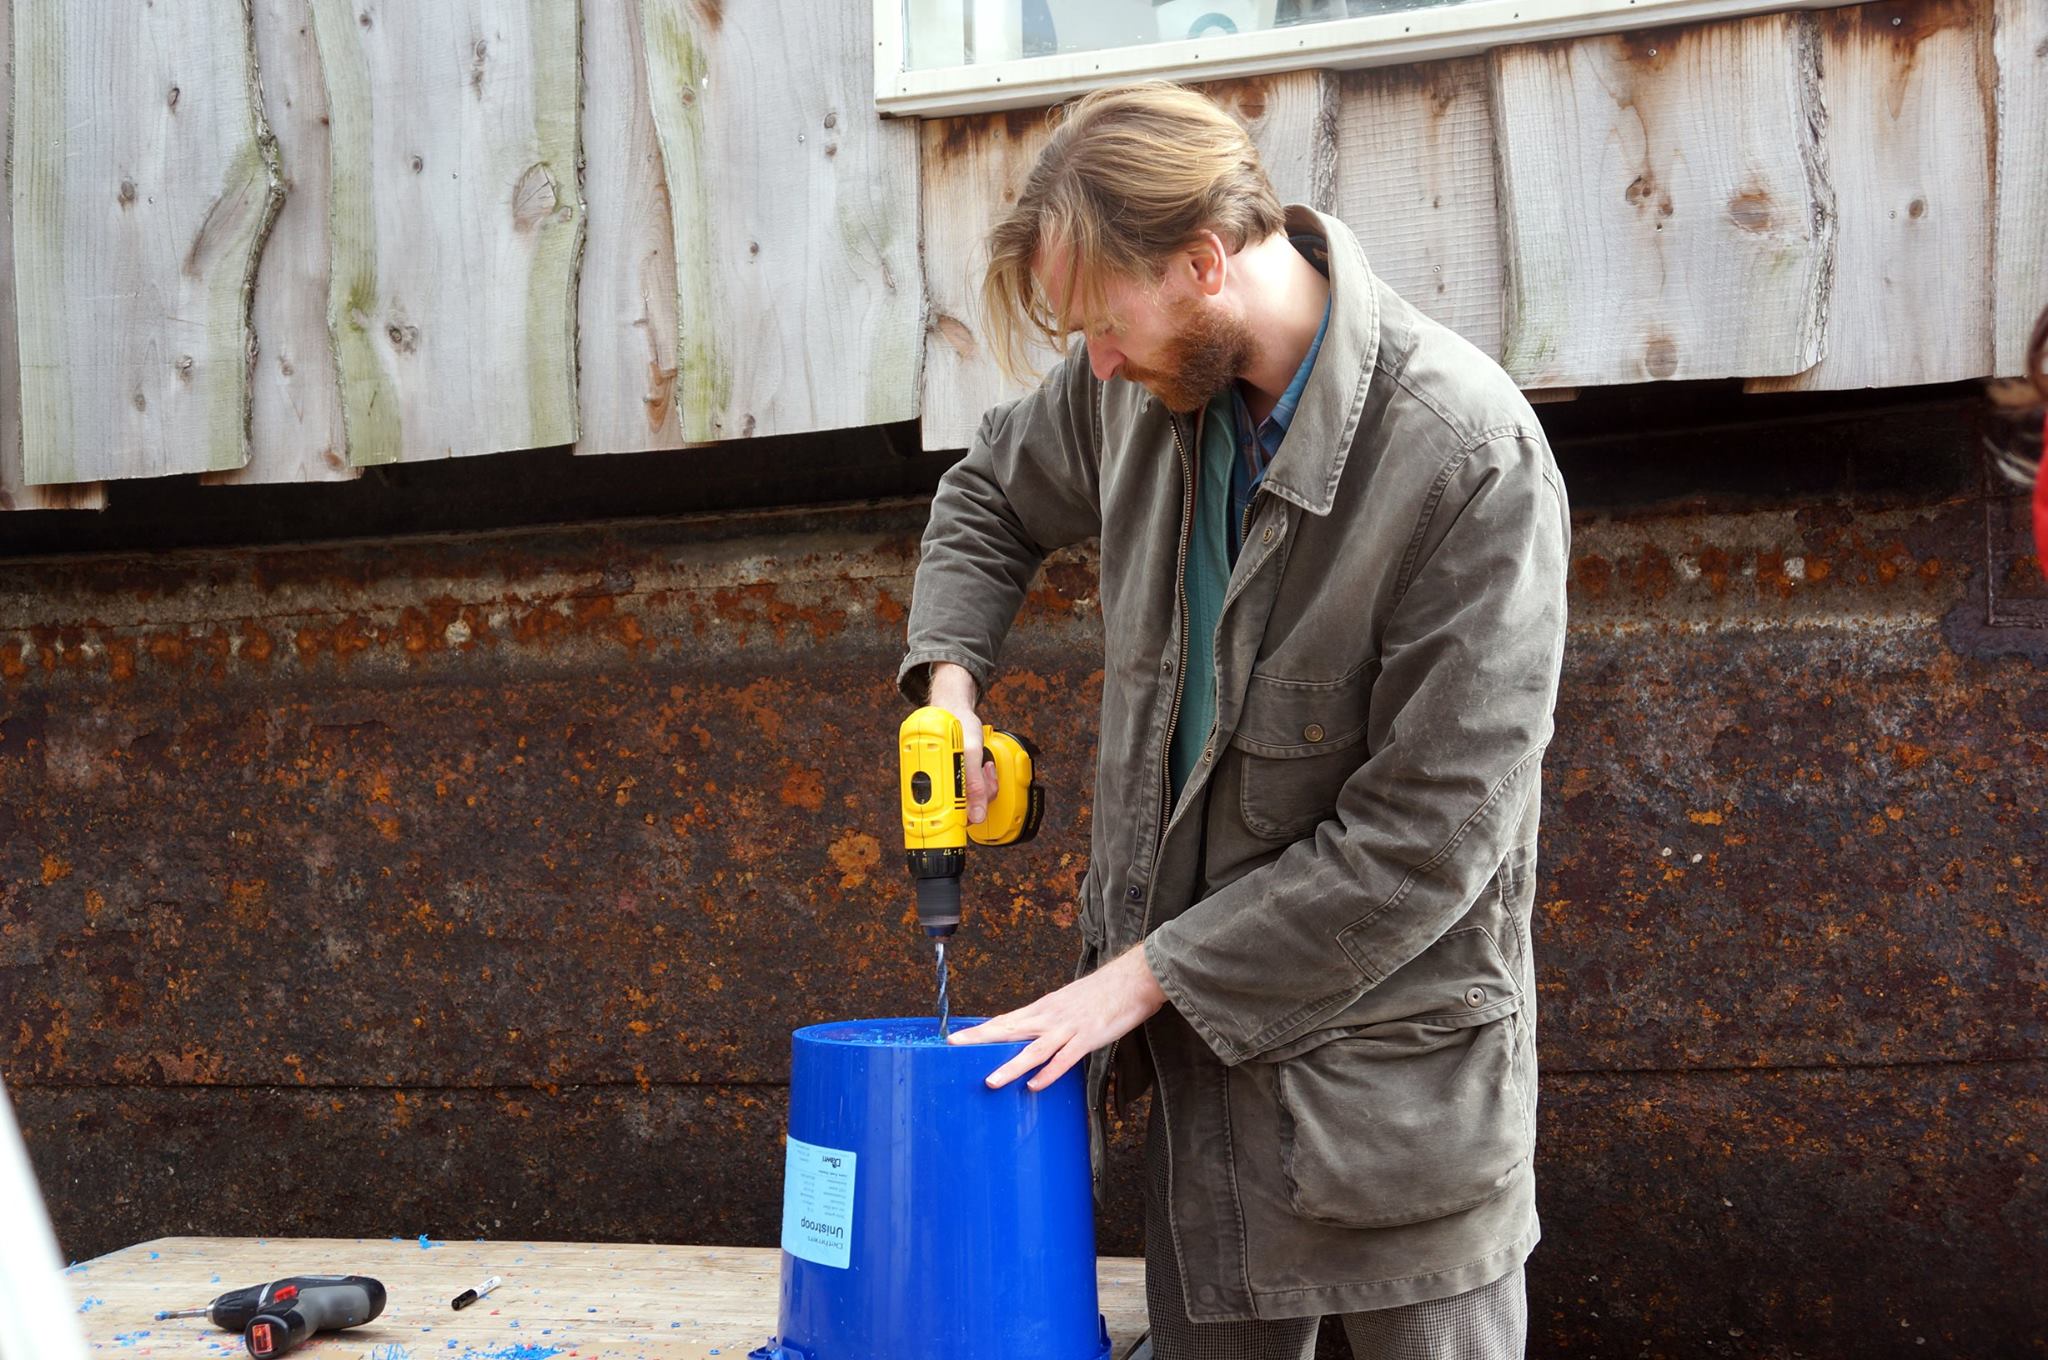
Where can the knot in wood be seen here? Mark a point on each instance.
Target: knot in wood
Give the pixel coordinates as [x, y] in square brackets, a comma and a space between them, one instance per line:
[535, 197]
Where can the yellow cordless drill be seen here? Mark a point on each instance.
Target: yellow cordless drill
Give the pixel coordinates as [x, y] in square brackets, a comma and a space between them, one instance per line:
[935, 828]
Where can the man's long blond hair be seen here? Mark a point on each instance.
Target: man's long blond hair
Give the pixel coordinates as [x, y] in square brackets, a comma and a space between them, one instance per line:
[1131, 175]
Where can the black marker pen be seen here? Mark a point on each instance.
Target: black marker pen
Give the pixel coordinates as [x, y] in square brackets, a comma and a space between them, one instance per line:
[469, 1296]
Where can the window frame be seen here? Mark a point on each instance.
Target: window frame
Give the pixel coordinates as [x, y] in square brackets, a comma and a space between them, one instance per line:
[1428, 34]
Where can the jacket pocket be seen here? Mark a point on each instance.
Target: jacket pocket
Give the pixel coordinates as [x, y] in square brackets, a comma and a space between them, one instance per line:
[1400, 1127]
[1299, 741]
[1406, 1120]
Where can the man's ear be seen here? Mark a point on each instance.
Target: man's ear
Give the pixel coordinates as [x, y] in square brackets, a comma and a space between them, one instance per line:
[1207, 262]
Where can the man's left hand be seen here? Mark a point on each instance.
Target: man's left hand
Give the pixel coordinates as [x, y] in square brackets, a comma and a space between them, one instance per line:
[1067, 1025]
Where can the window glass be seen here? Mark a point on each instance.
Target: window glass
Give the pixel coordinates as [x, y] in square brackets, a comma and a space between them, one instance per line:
[944, 33]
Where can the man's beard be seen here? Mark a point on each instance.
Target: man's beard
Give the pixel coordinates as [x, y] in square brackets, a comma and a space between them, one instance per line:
[1209, 349]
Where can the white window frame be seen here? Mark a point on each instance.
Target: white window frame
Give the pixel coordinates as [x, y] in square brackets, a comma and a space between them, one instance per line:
[1428, 34]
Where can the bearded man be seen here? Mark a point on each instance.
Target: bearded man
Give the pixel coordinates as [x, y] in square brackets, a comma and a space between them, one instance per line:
[1333, 547]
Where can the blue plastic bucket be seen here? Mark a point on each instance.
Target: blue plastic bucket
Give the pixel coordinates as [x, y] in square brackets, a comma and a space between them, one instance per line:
[926, 1217]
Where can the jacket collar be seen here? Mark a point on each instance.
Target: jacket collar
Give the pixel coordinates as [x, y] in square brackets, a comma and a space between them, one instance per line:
[1319, 438]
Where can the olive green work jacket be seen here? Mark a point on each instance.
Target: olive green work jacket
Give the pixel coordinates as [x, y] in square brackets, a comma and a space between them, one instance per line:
[1338, 907]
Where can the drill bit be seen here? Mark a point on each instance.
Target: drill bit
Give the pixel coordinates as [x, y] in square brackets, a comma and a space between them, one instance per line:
[185, 1313]
[945, 1003]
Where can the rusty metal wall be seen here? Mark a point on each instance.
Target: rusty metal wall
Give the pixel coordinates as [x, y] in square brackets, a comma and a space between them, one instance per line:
[471, 885]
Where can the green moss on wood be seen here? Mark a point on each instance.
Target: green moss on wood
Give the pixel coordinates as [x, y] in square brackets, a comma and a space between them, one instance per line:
[676, 71]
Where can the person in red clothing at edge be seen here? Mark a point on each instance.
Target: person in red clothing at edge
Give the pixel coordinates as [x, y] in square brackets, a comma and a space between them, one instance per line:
[1333, 549]
[2023, 402]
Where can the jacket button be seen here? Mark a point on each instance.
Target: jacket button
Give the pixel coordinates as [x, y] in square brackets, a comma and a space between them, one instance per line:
[1134, 893]
[1207, 752]
[1313, 732]
[1166, 666]
[1267, 537]
[1475, 996]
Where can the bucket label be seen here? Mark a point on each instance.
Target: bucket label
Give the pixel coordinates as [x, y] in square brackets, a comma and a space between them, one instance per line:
[817, 1204]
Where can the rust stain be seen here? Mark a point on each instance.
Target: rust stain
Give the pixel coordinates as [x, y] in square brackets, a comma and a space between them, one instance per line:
[977, 136]
[1246, 99]
[247, 904]
[1909, 756]
[1649, 49]
[1902, 24]
[54, 868]
[855, 854]
[804, 788]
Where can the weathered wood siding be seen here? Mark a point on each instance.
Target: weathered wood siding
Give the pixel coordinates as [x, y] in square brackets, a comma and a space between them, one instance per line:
[295, 423]
[455, 219]
[795, 218]
[733, 243]
[1416, 182]
[1663, 204]
[972, 168]
[1910, 152]
[626, 307]
[144, 181]
[2020, 270]
[15, 492]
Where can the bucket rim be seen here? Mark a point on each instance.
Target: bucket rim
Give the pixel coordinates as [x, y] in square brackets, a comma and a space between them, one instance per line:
[896, 1031]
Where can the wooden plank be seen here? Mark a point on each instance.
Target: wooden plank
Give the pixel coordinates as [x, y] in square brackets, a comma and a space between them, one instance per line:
[1415, 180]
[456, 220]
[1292, 120]
[626, 304]
[971, 169]
[599, 1301]
[15, 492]
[295, 425]
[2019, 275]
[138, 221]
[1663, 206]
[794, 217]
[1908, 145]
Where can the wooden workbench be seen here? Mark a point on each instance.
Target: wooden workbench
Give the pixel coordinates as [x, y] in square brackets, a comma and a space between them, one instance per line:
[589, 1301]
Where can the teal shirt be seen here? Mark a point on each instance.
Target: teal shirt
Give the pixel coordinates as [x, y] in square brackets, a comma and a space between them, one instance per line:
[1228, 470]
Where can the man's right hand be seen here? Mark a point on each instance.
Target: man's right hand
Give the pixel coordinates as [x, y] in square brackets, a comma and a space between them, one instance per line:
[953, 690]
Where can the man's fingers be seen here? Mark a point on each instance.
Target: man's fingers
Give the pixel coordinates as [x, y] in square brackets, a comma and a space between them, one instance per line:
[1070, 1053]
[992, 1031]
[979, 776]
[1036, 1052]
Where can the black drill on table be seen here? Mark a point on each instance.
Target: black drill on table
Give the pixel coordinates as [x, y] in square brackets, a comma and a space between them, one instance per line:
[274, 1318]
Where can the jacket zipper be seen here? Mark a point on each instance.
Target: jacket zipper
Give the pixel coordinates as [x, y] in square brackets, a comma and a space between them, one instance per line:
[1180, 591]
[1180, 675]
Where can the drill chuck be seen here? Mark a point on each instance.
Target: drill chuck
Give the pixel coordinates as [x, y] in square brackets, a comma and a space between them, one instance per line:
[938, 905]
